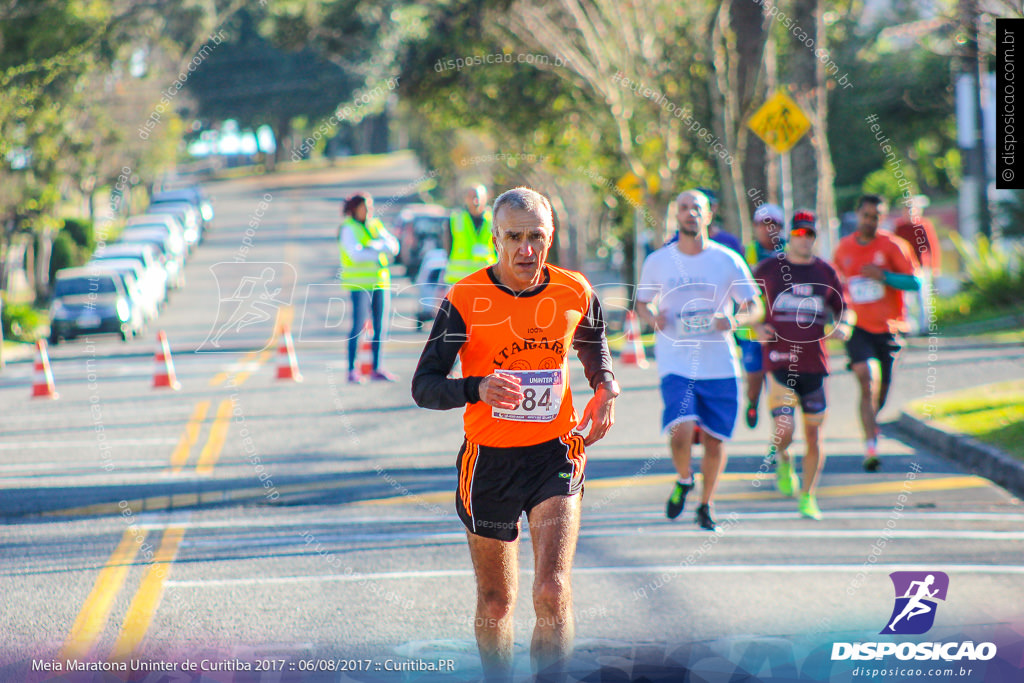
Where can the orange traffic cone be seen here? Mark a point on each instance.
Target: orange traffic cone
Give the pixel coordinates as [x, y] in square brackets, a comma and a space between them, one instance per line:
[288, 364]
[366, 351]
[633, 350]
[42, 380]
[163, 372]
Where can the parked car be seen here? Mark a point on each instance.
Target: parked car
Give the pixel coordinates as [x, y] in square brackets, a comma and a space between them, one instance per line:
[419, 228]
[193, 195]
[430, 286]
[154, 276]
[131, 274]
[161, 221]
[91, 301]
[186, 214]
[170, 253]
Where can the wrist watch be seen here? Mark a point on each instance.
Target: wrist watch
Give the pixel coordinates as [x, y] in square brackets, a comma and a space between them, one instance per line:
[612, 386]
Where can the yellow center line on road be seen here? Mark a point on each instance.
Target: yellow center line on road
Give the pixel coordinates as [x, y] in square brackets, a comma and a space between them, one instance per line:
[179, 458]
[143, 606]
[215, 442]
[96, 609]
[259, 357]
[222, 377]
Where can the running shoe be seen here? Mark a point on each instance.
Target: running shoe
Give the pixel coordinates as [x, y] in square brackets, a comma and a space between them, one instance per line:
[383, 376]
[751, 415]
[871, 460]
[704, 519]
[677, 500]
[785, 478]
[809, 506]
[356, 377]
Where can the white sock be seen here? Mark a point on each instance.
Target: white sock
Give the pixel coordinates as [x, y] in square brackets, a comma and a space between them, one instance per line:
[686, 482]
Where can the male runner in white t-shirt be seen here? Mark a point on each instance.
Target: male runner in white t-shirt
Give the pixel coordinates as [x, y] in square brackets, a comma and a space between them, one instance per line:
[687, 292]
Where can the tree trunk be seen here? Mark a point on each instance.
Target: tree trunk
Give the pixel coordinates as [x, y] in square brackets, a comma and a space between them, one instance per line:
[738, 37]
[751, 81]
[804, 75]
[813, 174]
[283, 140]
[44, 244]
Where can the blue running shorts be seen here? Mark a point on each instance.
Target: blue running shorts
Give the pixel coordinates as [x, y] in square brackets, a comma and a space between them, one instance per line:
[714, 404]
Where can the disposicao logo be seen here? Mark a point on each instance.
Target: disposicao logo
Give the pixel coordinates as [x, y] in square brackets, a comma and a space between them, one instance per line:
[916, 596]
[916, 602]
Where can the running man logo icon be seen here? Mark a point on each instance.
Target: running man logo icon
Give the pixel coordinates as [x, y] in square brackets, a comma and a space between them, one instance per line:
[916, 596]
[250, 296]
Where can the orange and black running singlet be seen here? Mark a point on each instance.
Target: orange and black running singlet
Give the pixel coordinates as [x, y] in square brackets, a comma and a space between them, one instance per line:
[490, 327]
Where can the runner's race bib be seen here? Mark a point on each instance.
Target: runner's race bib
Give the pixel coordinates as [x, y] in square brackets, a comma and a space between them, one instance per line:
[696, 322]
[865, 290]
[542, 396]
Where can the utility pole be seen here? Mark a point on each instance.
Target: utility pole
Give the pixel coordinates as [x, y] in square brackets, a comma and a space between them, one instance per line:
[975, 164]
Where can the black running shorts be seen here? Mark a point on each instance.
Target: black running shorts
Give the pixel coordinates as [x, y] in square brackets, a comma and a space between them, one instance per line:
[496, 485]
[863, 345]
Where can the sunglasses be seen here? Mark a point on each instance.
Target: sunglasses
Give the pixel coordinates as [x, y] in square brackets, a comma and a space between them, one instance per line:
[802, 232]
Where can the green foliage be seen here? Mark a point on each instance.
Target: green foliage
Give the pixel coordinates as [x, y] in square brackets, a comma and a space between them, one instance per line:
[906, 84]
[82, 232]
[1011, 215]
[248, 79]
[21, 322]
[993, 275]
[882, 182]
[66, 253]
[993, 284]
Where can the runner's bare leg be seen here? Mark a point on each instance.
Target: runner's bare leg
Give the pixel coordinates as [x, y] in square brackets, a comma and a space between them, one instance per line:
[681, 445]
[711, 465]
[868, 408]
[496, 564]
[783, 437]
[815, 458]
[554, 527]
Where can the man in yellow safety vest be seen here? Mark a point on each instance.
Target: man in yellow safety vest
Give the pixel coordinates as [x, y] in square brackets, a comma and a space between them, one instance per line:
[469, 240]
[366, 249]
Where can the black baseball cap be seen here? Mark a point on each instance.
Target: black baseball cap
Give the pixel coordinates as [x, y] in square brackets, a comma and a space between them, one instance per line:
[804, 220]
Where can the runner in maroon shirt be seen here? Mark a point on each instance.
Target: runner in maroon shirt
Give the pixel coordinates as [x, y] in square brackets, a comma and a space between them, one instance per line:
[802, 295]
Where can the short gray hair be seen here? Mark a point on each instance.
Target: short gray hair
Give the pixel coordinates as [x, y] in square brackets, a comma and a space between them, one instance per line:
[698, 195]
[523, 199]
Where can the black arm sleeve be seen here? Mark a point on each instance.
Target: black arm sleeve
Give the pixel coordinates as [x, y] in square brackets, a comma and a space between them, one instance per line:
[431, 387]
[591, 345]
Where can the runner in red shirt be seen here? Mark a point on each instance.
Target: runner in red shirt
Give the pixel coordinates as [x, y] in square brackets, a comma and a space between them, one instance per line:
[876, 268]
[920, 234]
[802, 293]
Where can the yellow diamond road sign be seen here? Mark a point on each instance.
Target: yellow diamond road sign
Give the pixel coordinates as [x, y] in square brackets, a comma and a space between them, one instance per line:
[779, 122]
[632, 187]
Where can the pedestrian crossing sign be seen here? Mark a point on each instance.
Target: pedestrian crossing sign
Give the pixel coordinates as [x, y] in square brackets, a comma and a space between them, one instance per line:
[779, 122]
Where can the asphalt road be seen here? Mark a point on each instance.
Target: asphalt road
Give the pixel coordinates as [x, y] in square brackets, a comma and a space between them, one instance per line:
[325, 533]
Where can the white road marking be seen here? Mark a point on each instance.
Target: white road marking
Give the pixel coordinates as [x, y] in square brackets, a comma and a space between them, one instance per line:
[638, 569]
[344, 540]
[623, 517]
[77, 443]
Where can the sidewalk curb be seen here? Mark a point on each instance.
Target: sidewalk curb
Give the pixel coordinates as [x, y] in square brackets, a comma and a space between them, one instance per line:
[976, 457]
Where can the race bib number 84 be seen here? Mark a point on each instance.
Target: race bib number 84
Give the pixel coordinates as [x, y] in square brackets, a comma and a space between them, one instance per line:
[542, 396]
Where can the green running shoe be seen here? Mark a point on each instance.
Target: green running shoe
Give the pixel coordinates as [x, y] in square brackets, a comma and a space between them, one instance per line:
[785, 478]
[809, 506]
[677, 500]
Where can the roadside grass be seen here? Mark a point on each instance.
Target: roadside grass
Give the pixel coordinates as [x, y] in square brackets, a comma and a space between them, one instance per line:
[993, 414]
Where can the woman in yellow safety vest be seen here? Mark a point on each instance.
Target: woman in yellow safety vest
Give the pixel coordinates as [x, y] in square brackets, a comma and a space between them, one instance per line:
[366, 249]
